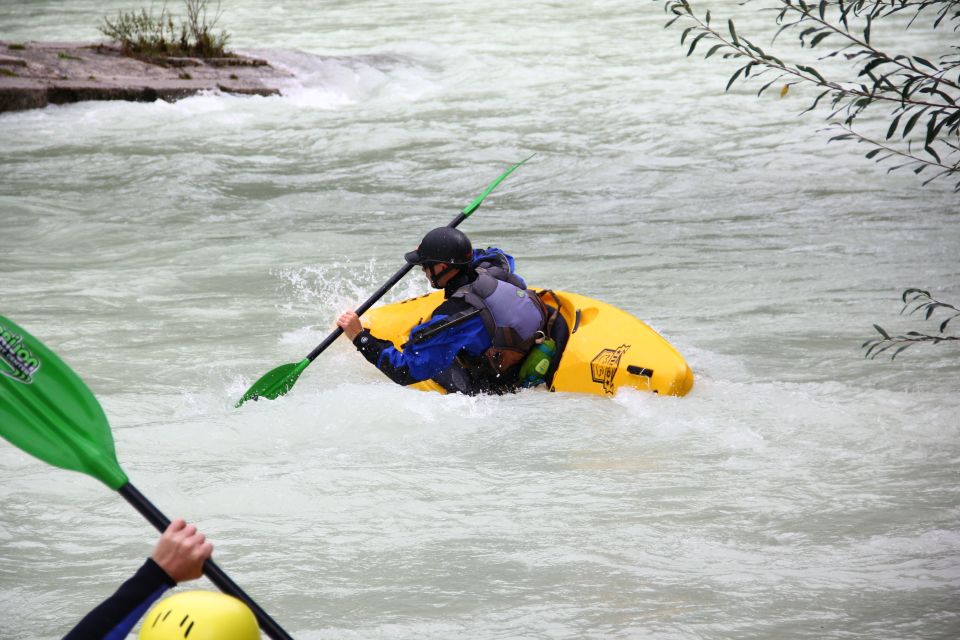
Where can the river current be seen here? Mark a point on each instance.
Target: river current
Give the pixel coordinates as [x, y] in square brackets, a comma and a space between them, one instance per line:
[174, 253]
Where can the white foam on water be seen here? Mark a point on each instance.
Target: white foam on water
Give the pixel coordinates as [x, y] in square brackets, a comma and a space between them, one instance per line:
[334, 82]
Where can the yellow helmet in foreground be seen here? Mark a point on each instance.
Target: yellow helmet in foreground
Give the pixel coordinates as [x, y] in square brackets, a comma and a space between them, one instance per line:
[199, 615]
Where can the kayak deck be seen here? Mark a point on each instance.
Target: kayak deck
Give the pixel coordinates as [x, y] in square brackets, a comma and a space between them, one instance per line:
[608, 348]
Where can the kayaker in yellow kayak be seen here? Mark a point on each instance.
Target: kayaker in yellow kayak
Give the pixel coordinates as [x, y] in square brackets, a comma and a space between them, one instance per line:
[477, 339]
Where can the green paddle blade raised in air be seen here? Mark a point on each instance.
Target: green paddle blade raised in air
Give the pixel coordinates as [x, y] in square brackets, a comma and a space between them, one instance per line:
[48, 411]
[276, 382]
[473, 206]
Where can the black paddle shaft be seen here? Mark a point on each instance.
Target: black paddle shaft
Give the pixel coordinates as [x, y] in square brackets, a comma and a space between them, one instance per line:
[210, 569]
[372, 300]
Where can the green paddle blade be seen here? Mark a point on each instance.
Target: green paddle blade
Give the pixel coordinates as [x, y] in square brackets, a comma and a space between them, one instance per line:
[276, 382]
[473, 206]
[47, 410]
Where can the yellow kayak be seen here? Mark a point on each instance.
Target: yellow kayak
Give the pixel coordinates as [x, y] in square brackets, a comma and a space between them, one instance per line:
[608, 348]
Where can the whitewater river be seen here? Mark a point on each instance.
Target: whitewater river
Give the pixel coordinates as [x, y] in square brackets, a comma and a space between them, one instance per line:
[173, 253]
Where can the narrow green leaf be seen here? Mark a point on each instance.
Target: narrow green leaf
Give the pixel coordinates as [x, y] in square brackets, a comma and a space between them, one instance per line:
[893, 126]
[803, 34]
[781, 30]
[844, 10]
[818, 38]
[713, 50]
[883, 348]
[925, 62]
[908, 88]
[943, 94]
[953, 122]
[871, 154]
[920, 294]
[733, 32]
[912, 121]
[765, 87]
[754, 48]
[897, 352]
[932, 129]
[873, 64]
[812, 72]
[814, 104]
[693, 45]
[734, 77]
[881, 331]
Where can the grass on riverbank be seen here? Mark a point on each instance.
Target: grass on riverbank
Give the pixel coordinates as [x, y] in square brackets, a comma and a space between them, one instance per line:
[141, 33]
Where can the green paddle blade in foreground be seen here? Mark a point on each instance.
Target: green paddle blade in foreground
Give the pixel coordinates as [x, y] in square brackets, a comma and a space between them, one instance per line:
[276, 382]
[48, 411]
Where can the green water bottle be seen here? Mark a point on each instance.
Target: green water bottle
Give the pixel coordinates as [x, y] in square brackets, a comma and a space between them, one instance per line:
[537, 363]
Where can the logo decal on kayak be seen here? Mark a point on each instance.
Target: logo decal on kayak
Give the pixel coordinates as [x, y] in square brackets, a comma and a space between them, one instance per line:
[604, 367]
[17, 356]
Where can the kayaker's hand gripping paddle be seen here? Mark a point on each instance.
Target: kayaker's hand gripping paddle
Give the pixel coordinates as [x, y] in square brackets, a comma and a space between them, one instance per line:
[280, 380]
[48, 411]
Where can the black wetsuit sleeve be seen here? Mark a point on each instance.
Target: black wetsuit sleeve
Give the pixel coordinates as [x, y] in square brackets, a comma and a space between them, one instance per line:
[371, 347]
[117, 615]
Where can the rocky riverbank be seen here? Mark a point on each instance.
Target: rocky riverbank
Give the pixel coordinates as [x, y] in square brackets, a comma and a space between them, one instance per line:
[35, 74]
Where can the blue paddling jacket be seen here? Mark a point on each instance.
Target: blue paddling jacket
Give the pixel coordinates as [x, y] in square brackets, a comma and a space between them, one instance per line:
[475, 340]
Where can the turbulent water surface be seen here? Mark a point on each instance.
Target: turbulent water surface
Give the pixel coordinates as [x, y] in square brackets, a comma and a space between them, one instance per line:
[173, 253]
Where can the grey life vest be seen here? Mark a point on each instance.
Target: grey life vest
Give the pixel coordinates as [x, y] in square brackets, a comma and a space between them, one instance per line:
[514, 316]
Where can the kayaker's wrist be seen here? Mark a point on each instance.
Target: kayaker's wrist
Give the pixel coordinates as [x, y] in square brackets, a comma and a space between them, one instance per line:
[361, 338]
[370, 346]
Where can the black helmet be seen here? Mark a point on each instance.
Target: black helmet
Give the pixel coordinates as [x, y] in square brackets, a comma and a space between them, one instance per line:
[444, 244]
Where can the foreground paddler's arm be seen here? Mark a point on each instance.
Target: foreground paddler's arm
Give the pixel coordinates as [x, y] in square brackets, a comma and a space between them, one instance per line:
[178, 557]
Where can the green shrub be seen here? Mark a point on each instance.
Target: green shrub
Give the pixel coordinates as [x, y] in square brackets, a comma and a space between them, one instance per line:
[146, 34]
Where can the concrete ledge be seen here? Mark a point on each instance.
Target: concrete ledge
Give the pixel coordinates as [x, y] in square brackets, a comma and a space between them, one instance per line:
[23, 97]
[41, 73]
[184, 62]
[12, 62]
[238, 61]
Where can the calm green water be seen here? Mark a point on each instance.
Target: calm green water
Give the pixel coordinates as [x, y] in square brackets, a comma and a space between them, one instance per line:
[173, 253]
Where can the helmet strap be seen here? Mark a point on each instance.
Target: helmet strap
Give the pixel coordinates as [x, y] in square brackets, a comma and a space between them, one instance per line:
[436, 277]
